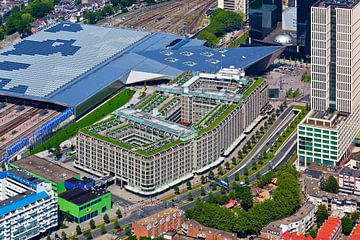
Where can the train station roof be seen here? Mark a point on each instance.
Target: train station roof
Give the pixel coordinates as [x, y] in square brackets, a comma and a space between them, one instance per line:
[69, 63]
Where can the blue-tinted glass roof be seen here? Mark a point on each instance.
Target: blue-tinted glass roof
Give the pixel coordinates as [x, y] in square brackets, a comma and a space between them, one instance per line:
[68, 63]
[10, 66]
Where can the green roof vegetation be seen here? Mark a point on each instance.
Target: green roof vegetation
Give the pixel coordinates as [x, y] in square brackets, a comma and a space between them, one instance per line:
[253, 87]
[131, 148]
[69, 131]
[168, 104]
[217, 121]
[147, 101]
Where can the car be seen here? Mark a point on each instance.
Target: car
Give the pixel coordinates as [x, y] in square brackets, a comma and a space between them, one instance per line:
[119, 230]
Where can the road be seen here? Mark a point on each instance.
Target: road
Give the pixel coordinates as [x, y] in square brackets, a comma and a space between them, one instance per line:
[283, 154]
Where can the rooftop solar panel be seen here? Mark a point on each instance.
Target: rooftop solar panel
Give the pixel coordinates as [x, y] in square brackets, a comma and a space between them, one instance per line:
[69, 63]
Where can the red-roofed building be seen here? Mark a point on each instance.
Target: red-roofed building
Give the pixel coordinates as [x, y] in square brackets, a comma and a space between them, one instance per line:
[231, 204]
[355, 234]
[330, 230]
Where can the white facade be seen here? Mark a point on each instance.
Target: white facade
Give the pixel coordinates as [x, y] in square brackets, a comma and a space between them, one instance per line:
[241, 6]
[335, 84]
[27, 209]
[152, 173]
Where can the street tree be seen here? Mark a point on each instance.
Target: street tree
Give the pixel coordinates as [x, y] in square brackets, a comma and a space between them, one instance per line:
[190, 197]
[211, 174]
[246, 171]
[103, 229]
[202, 191]
[321, 215]
[118, 213]
[227, 165]
[106, 218]
[237, 176]
[116, 224]
[233, 161]
[176, 190]
[92, 224]
[188, 185]
[346, 225]
[203, 179]
[78, 230]
[220, 170]
[63, 235]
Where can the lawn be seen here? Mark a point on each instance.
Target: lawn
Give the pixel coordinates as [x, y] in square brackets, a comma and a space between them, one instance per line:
[69, 131]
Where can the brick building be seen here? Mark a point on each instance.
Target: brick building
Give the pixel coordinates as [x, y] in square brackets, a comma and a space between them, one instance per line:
[157, 224]
[195, 230]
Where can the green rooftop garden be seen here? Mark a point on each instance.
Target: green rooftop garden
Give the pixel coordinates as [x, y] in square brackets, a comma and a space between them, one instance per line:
[253, 87]
[102, 111]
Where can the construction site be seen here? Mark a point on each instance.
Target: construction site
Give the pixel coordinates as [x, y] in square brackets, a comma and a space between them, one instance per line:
[179, 17]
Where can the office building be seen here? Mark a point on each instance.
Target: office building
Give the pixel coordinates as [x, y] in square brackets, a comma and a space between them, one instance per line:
[241, 6]
[28, 206]
[299, 223]
[47, 171]
[325, 135]
[181, 130]
[159, 223]
[83, 204]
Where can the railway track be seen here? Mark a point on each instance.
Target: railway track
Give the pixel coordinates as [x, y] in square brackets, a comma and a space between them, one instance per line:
[19, 120]
[25, 133]
[7, 111]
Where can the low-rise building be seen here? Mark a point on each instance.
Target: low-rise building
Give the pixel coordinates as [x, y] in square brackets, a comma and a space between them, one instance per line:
[349, 181]
[84, 204]
[153, 226]
[28, 206]
[46, 171]
[355, 234]
[330, 230]
[299, 223]
[343, 203]
[195, 230]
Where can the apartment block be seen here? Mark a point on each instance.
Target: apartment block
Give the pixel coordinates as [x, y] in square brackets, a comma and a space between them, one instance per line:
[179, 131]
[325, 135]
[299, 223]
[342, 203]
[330, 230]
[159, 223]
[28, 206]
[193, 229]
[349, 181]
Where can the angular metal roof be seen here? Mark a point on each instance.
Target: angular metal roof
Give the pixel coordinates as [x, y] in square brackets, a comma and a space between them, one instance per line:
[69, 63]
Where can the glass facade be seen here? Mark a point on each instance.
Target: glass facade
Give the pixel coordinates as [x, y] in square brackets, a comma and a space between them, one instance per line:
[316, 145]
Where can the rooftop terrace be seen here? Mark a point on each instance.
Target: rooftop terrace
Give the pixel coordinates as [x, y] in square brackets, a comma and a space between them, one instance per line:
[324, 119]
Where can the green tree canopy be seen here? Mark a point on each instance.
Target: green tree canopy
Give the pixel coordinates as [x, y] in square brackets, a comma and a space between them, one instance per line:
[330, 184]
[321, 215]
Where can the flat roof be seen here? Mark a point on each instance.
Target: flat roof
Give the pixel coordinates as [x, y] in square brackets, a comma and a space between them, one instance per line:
[69, 63]
[297, 216]
[45, 169]
[21, 201]
[337, 3]
[149, 120]
[157, 216]
[80, 196]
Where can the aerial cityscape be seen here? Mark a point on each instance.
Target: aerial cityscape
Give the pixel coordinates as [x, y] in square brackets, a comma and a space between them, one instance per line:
[180, 120]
